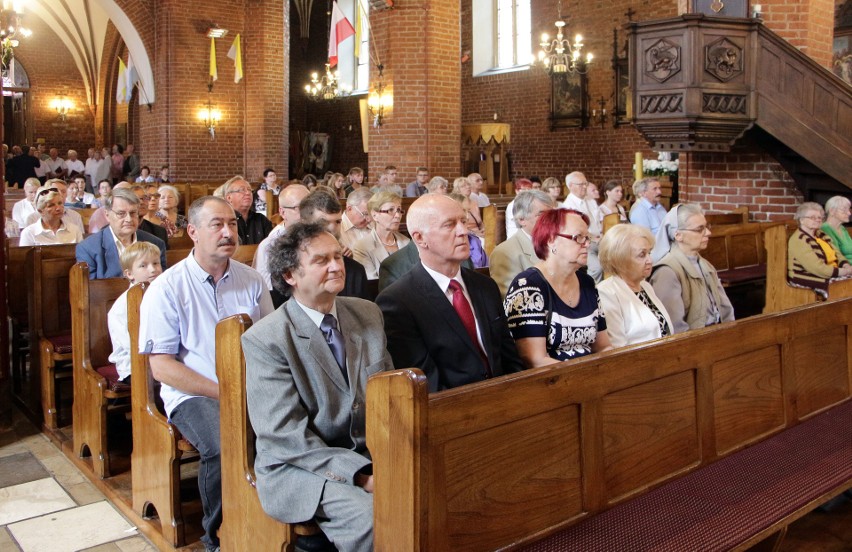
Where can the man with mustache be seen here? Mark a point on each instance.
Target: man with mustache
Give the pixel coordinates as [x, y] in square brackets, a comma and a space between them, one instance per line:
[101, 251]
[647, 211]
[177, 331]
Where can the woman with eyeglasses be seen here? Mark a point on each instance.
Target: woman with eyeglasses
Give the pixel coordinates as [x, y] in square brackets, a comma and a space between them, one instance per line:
[634, 313]
[685, 282]
[553, 307]
[50, 229]
[384, 239]
[839, 211]
[812, 257]
[461, 186]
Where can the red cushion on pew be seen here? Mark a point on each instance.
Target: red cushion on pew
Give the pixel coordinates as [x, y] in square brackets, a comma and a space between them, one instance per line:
[718, 506]
[61, 344]
[109, 373]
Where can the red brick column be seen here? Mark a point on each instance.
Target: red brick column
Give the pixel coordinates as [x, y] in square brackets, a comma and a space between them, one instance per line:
[418, 43]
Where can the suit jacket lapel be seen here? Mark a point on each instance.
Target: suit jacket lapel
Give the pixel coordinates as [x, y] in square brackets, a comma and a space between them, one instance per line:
[110, 251]
[317, 346]
[435, 296]
[354, 343]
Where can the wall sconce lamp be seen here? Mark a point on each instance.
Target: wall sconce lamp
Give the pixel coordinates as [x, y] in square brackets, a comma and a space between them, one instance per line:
[63, 106]
[211, 118]
[381, 99]
[599, 116]
[215, 31]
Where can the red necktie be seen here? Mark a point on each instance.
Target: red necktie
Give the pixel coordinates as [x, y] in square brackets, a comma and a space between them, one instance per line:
[462, 306]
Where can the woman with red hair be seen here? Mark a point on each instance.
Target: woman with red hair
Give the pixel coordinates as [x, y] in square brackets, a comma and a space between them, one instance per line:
[553, 307]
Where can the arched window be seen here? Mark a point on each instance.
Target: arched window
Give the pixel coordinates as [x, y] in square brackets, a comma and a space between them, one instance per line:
[15, 77]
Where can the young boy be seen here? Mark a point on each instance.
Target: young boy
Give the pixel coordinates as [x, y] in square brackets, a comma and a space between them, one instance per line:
[140, 263]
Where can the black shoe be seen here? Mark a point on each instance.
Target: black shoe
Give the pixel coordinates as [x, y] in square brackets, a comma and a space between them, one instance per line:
[314, 543]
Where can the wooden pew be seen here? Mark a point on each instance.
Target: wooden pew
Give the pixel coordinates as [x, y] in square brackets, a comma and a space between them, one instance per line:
[737, 216]
[737, 252]
[47, 269]
[174, 256]
[95, 380]
[245, 254]
[489, 228]
[610, 220]
[182, 241]
[86, 215]
[780, 295]
[157, 444]
[17, 292]
[243, 518]
[511, 460]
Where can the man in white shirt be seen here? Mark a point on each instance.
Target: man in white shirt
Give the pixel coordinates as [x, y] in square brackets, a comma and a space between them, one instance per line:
[74, 166]
[177, 330]
[356, 217]
[93, 161]
[55, 165]
[476, 194]
[288, 207]
[577, 200]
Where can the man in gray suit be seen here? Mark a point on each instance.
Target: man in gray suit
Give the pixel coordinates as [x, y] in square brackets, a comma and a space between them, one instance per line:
[516, 254]
[307, 366]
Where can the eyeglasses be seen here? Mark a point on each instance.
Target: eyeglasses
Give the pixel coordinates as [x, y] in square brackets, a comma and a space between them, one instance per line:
[289, 206]
[579, 184]
[816, 218]
[360, 212]
[579, 239]
[46, 191]
[123, 214]
[240, 191]
[699, 229]
[392, 212]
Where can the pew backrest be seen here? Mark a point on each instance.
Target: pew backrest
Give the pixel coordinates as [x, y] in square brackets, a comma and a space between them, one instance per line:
[174, 256]
[245, 254]
[47, 269]
[17, 284]
[507, 460]
[243, 518]
[91, 301]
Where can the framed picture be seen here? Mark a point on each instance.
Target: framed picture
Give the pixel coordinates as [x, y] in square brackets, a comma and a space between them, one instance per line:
[569, 103]
[841, 60]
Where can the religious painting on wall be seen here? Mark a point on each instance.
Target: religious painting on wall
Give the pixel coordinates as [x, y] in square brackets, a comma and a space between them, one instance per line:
[841, 61]
[622, 91]
[569, 104]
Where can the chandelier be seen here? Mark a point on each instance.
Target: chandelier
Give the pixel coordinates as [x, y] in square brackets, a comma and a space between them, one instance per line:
[327, 86]
[11, 29]
[559, 56]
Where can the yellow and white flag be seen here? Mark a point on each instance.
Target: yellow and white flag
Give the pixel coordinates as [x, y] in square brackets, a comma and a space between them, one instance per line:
[214, 75]
[121, 89]
[236, 54]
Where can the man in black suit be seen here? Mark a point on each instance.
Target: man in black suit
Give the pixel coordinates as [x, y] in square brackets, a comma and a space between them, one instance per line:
[444, 319]
[400, 262]
[322, 207]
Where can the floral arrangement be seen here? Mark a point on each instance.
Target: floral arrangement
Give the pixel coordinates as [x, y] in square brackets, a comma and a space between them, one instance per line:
[654, 167]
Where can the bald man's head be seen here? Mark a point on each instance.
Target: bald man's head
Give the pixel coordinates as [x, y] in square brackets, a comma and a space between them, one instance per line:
[437, 224]
[288, 203]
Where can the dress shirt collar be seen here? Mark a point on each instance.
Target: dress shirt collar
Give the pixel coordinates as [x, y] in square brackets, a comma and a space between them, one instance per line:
[444, 282]
[199, 273]
[118, 245]
[317, 316]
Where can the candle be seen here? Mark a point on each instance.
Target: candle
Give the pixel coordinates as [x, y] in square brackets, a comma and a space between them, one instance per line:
[638, 167]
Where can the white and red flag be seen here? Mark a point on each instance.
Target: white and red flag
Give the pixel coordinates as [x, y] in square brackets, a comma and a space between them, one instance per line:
[341, 29]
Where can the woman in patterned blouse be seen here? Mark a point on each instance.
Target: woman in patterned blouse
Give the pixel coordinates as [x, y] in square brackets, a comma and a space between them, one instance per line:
[553, 308]
[634, 313]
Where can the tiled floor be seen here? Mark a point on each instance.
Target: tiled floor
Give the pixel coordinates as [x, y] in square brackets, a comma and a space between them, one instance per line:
[46, 504]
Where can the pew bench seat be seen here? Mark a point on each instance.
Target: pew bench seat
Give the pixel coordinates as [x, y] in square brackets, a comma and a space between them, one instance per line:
[730, 504]
[743, 275]
[115, 388]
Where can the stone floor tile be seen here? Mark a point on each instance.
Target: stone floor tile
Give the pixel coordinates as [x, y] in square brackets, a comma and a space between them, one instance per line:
[72, 530]
[20, 468]
[32, 499]
[136, 544]
[83, 493]
[7, 544]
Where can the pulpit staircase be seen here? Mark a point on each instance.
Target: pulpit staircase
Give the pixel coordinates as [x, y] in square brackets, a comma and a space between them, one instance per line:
[700, 84]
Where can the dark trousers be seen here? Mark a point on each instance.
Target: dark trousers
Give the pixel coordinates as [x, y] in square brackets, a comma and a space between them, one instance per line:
[198, 420]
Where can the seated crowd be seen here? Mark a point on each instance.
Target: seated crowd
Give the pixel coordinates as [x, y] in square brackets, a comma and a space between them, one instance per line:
[546, 301]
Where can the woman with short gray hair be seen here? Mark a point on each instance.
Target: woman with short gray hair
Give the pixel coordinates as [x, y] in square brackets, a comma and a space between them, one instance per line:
[839, 210]
[685, 282]
[812, 259]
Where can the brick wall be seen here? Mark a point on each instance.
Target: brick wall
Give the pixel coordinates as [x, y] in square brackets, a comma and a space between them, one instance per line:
[51, 76]
[807, 24]
[745, 176]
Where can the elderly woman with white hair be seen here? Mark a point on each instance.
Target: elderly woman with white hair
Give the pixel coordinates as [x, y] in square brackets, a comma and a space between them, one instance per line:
[839, 210]
[50, 229]
[25, 207]
[438, 185]
[634, 313]
[812, 259]
[686, 283]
